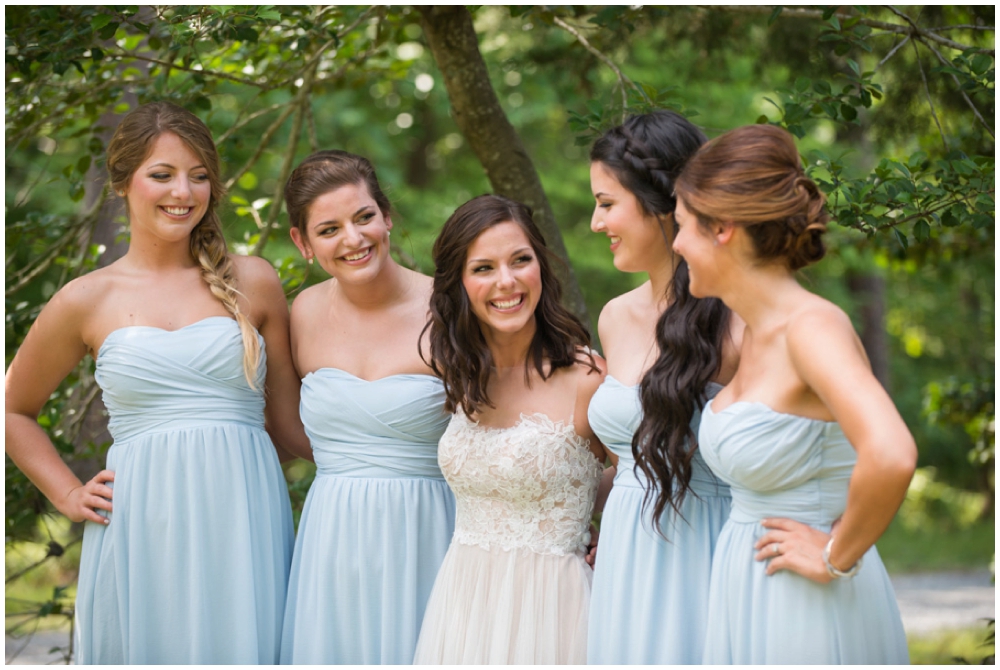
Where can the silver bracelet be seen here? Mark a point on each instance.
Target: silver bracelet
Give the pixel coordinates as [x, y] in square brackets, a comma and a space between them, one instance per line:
[834, 572]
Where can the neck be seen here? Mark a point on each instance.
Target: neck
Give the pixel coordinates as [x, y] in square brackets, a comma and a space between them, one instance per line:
[388, 287]
[659, 280]
[510, 350]
[159, 255]
[759, 294]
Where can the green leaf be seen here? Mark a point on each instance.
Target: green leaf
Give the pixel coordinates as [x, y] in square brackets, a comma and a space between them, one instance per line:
[921, 231]
[99, 22]
[854, 66]
[108, 31]
[834, 21]
[270, 15]
[901, 238]
[775, 13]
[849, 113]
[802, 84]
[763, 119]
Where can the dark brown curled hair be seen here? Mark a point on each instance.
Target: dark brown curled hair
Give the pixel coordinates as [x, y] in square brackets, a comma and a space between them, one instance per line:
[326, 171]
[646, 154]
[753, 177]
[459, 354]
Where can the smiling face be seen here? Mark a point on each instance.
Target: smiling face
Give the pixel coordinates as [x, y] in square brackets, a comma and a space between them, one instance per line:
[347, 233]
[169, 192]
[637, 238]
[503, 280]
[700, 249]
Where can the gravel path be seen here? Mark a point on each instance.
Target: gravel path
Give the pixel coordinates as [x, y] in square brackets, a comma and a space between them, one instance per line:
[928, 602]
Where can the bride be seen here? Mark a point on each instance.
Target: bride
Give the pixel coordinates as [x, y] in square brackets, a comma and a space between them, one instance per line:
[518, 453]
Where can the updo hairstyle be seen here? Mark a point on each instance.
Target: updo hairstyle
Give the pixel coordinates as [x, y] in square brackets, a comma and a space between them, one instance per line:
[753, 177]
[459, 354]
[130, 145]
[326, 171]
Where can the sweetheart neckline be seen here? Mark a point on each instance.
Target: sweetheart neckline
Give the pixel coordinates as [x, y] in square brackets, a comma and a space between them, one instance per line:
[710, 409]
[370, 381]
[164, 330]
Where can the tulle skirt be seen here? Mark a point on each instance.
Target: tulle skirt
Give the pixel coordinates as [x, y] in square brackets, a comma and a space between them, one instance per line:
[506, 607]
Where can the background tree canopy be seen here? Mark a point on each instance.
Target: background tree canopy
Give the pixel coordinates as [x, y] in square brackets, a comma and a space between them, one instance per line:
[893, 108]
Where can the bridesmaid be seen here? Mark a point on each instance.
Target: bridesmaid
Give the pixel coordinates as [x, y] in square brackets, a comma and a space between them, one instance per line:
[379, 516]
[192, 566]
[816, 454]
[666, 352]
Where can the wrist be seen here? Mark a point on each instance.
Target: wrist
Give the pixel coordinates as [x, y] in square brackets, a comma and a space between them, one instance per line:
[833, 571]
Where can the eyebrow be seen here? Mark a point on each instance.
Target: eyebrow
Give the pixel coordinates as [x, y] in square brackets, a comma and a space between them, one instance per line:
[168, 165]
[600, 193]
[490, 260]
[359, 211]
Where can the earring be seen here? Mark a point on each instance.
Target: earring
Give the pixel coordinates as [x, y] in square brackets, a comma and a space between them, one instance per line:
[310, 260]
[388, 233]
[121, 194]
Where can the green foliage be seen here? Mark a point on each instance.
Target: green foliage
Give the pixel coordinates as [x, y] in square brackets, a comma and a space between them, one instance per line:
[963, 646]
[972, 405]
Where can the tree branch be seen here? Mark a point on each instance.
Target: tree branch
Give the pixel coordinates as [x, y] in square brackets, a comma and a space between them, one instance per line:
[871, 23]
[264, 141]
[930, 102]
[622, 79]
[301, 105]
[968, 100]
[240, 123]
[892, 52]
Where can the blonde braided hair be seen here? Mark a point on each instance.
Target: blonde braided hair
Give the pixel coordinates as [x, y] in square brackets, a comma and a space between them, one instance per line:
[129, 147]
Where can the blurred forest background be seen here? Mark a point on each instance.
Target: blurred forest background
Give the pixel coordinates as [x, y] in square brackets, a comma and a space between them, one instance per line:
[893, 106]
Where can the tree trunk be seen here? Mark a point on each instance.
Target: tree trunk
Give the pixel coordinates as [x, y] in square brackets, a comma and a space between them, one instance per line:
[869, 290]
[476, 109]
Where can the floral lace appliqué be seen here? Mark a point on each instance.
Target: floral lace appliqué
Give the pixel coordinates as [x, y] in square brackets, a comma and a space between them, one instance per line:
[532, 485]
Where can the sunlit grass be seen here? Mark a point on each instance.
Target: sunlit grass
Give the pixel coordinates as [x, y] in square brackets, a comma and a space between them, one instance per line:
[964, 645]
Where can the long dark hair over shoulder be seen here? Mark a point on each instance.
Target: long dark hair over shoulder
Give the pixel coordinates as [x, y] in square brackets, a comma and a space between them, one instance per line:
[646, 155]
[459, 354]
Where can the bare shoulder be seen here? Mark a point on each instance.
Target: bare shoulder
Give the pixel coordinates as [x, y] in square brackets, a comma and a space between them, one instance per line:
[254, 273]
[309, 299]
[817, 329]
[424, 287]
[619, 312]
[589, 377]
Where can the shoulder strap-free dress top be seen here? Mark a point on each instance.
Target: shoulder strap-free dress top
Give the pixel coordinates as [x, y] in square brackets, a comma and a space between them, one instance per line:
[193, 566]
[514, 587]
[782, 465]
[376, 523]
[650, 598]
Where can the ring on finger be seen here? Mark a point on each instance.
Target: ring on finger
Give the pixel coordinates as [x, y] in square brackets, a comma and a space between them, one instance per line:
[774, 548]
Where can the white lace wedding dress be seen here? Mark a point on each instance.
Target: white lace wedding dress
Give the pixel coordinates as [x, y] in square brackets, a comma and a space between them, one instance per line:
[514, 587]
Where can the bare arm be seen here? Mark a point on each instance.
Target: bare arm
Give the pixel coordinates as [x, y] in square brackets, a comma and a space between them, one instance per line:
[52, 348]
[828, 356]
[270, 311]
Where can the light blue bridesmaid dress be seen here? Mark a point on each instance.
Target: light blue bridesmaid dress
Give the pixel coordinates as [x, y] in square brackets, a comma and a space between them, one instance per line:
[376, 523]
[193, 566]
[781, 465]
[650, 598]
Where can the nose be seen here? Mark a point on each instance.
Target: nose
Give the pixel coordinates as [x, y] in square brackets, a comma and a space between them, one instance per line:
[182, 188]
[505, 277]
[352, 236]
[596, 222]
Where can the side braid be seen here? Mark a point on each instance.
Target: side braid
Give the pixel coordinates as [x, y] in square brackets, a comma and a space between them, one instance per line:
[208, 247]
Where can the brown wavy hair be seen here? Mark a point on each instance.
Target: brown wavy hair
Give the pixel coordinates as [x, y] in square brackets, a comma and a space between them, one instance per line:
[646, 153]
[130, 145]
[459, 354]
[327, 171]
[753, 177]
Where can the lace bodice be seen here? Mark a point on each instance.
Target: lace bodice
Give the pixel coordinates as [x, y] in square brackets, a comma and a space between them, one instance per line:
[532, 485]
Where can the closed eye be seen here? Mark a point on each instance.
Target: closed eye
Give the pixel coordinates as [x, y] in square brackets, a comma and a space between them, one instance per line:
[481, 268]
